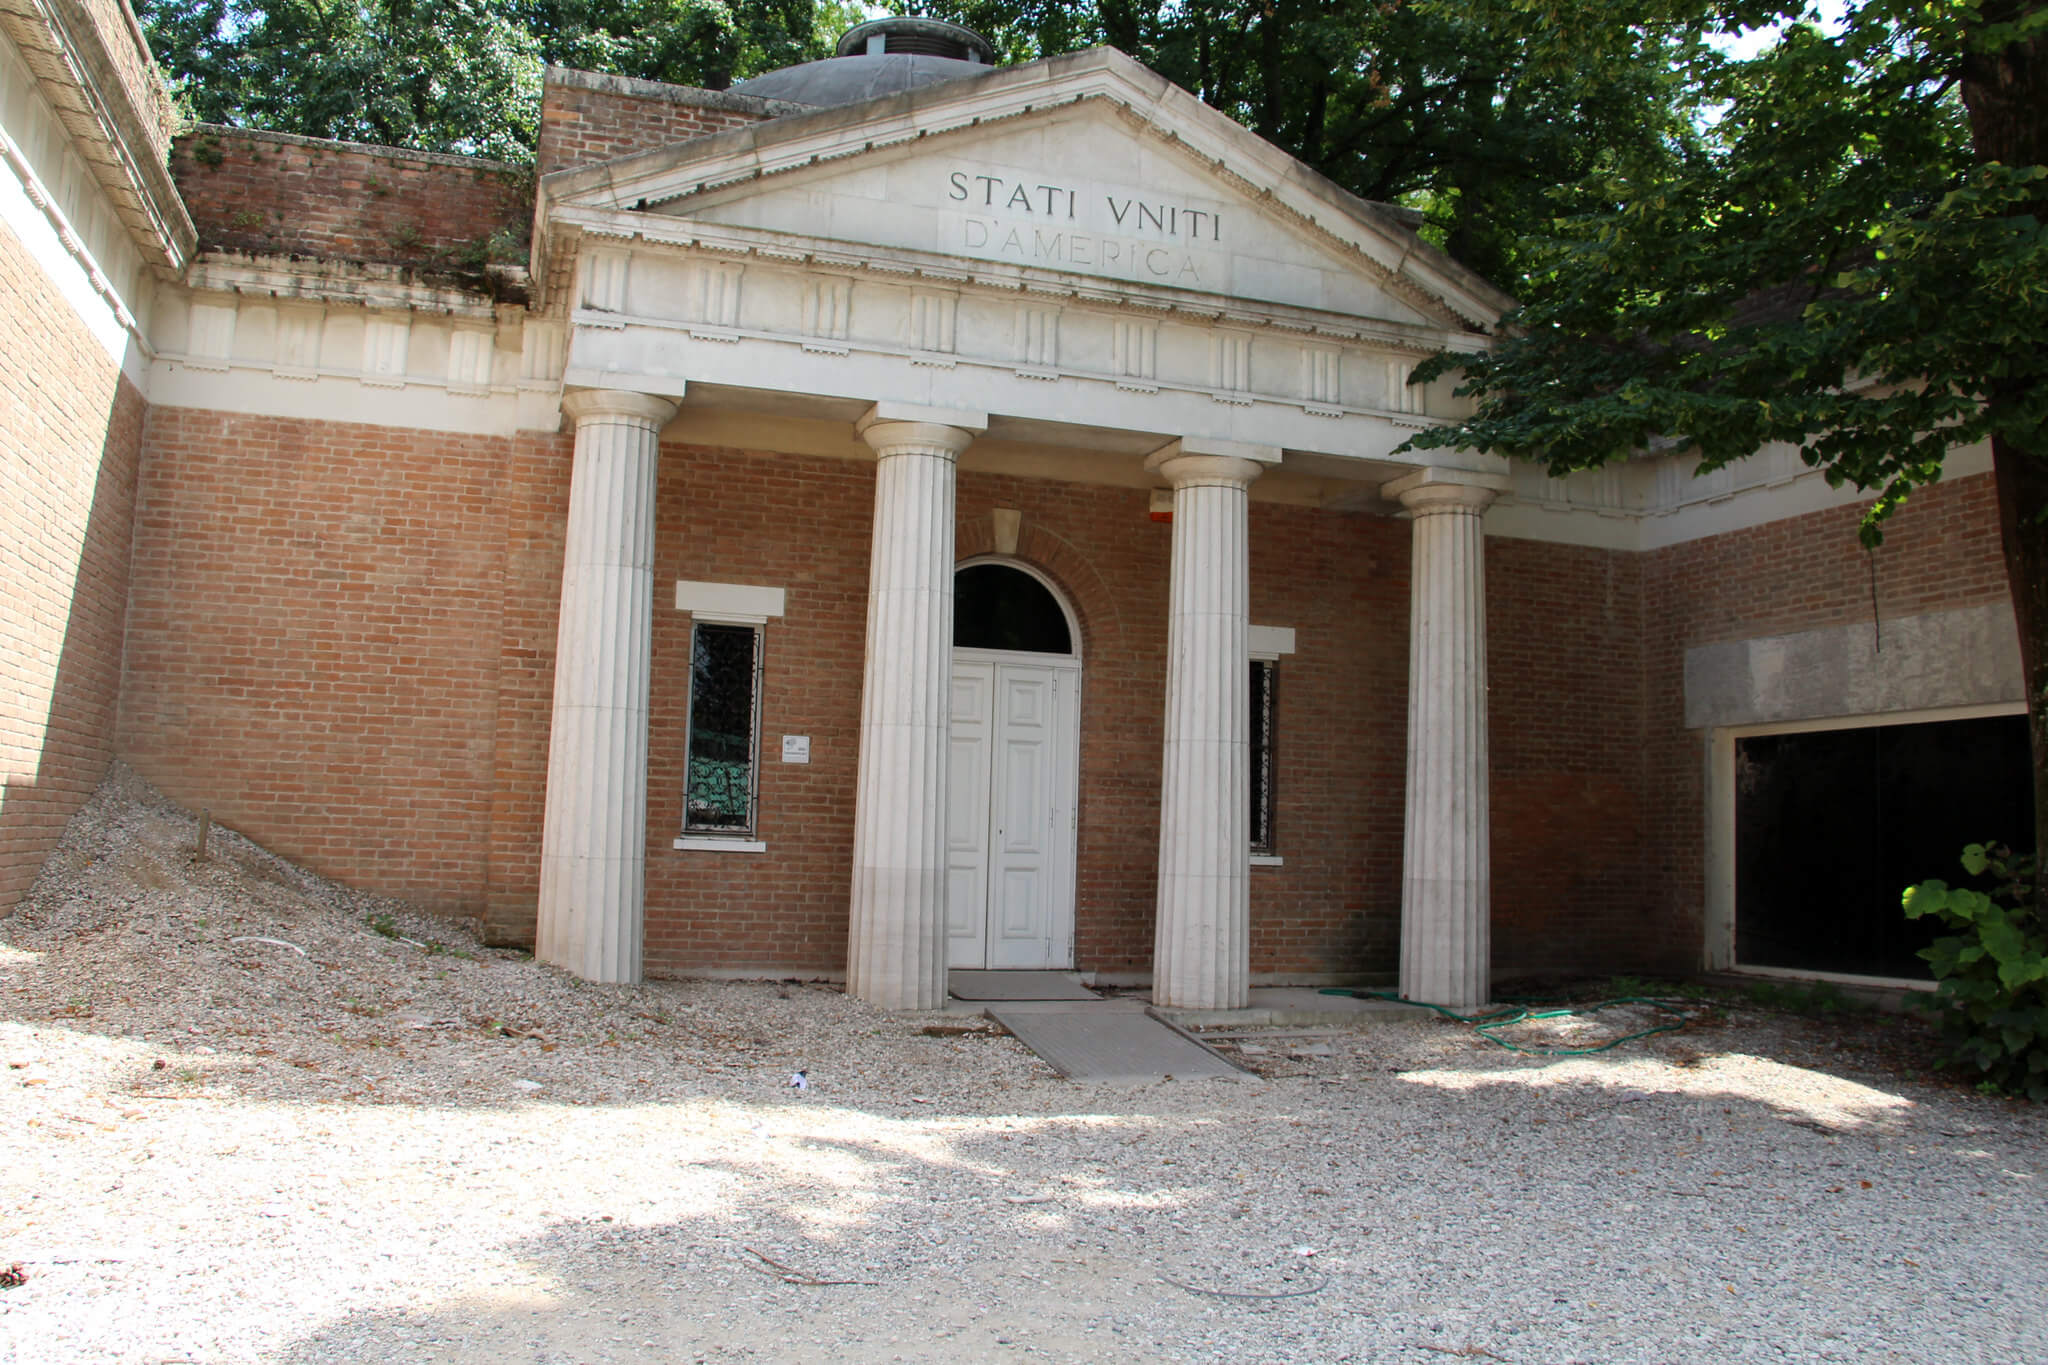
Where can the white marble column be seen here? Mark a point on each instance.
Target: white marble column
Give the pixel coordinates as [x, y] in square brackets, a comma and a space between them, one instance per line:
[896, 948]
[593, 844]
[1201, 954]
[1446, 881]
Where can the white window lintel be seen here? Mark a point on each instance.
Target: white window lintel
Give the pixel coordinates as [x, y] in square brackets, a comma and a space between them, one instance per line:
[734, 604]
[1270, 642]
[699, 844]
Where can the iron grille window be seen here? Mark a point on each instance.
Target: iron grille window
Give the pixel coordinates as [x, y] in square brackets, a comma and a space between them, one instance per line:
[1264, 674]
[723, 759]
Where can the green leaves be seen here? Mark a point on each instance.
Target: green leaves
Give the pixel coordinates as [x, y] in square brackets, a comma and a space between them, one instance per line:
[1992, 997]
[1467, 110]
[452, 75]
[1837, 268]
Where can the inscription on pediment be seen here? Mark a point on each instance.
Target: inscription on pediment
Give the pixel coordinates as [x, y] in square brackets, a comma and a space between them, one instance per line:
[1122, 231]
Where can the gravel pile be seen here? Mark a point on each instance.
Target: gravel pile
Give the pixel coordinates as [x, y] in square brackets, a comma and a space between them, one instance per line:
[252, 1115]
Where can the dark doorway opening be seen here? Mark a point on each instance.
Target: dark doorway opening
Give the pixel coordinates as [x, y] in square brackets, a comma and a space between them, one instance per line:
[1831, 825]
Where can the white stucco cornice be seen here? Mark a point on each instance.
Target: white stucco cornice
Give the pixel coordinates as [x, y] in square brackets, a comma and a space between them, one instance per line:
[628, 228]
[691, 177]
[96, 73]
[352, 283]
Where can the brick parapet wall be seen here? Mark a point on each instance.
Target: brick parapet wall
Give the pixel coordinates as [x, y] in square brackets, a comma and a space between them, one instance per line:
[278, 194]
[142, 82]
[586, 117]
[70, 437]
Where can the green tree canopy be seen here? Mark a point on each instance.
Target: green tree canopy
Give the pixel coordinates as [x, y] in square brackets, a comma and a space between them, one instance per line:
[1853, 261]
[1425, 103]
[1421, 102]
[455, 75]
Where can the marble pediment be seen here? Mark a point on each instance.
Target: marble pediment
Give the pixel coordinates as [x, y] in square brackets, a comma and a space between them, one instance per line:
[1084, 173]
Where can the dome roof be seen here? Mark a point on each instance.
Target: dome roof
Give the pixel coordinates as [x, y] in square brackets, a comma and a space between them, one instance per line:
[881, 57]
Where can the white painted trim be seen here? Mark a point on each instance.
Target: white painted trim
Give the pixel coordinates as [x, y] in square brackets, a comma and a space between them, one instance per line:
[1634, 508]
[1268, 860]
[1270, 642]
[1865, 722]
[1718, 914]
[29, 208]
[738, 604]
[1897, 983]
[701, 844]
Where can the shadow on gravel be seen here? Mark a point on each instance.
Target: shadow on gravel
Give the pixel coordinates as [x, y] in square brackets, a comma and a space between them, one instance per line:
[698, 1290]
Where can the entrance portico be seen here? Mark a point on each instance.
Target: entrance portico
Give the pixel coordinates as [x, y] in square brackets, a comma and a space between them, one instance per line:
[1269, 362]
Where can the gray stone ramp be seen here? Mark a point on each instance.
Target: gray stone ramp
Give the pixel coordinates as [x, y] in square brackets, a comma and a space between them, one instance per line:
[963, 984]
[1101, 1043]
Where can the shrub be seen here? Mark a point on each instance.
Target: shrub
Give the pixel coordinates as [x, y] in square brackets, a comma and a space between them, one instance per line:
[1992, 1000]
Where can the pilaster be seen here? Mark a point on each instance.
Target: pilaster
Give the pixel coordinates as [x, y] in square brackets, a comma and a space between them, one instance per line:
[593, 841]
[896, 950]
[1201, 957]
[1446, 877]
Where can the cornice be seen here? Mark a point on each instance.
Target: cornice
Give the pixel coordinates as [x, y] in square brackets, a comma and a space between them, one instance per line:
[122, 144]
[625, 228]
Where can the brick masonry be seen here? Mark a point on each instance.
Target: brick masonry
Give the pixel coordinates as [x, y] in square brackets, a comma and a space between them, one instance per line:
[70, 435]
[1941, 552]
[586, 117]
[1565, 727]
[314, 641]
[391, 728]
[274, 193]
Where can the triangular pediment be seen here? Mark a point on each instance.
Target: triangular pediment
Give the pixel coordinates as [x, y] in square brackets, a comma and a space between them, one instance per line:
[1086, 169]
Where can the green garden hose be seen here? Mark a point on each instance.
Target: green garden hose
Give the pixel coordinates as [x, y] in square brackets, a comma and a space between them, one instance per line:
[1523, 1011]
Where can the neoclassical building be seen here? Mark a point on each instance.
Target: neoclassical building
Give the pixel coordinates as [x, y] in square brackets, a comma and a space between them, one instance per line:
[905, 513]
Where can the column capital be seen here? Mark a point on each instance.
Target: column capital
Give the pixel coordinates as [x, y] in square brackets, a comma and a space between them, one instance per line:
[585, 405]
[1429, 491]
[913, 429]
[1193, 461]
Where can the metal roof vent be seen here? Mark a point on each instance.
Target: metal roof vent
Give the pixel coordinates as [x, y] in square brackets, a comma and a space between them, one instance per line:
[880, 57]
[917, 38]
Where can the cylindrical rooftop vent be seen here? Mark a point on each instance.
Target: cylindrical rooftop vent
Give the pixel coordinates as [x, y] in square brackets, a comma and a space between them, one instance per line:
[916, 37]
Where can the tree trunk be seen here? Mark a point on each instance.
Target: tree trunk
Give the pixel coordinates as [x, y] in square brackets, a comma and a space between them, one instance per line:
[2006, 94]
[2023, 526]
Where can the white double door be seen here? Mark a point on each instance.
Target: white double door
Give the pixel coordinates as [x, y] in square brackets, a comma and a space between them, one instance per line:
[1011, 793]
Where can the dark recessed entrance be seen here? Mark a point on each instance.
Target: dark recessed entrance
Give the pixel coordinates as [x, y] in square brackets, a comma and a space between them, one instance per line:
[1831, 825]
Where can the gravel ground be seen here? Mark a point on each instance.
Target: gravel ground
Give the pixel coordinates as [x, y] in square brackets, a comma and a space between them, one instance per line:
[372, 1139]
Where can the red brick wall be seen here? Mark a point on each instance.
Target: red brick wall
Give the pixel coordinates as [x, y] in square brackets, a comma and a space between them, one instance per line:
[585, 118]
[801, 525]
[355, 664]
[1804, 573]
[1565, 727]
[314, 639]
[804, 524]
[276, 193]
[533, 502]
[70, 432]
[1341, 700]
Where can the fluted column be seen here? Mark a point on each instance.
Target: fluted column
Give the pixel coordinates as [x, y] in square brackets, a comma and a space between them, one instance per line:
[1446, 877]
[593, 842]
[896, 949]
[1201, 954]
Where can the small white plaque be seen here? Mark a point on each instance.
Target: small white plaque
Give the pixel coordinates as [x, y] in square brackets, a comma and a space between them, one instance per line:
[796, 748]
